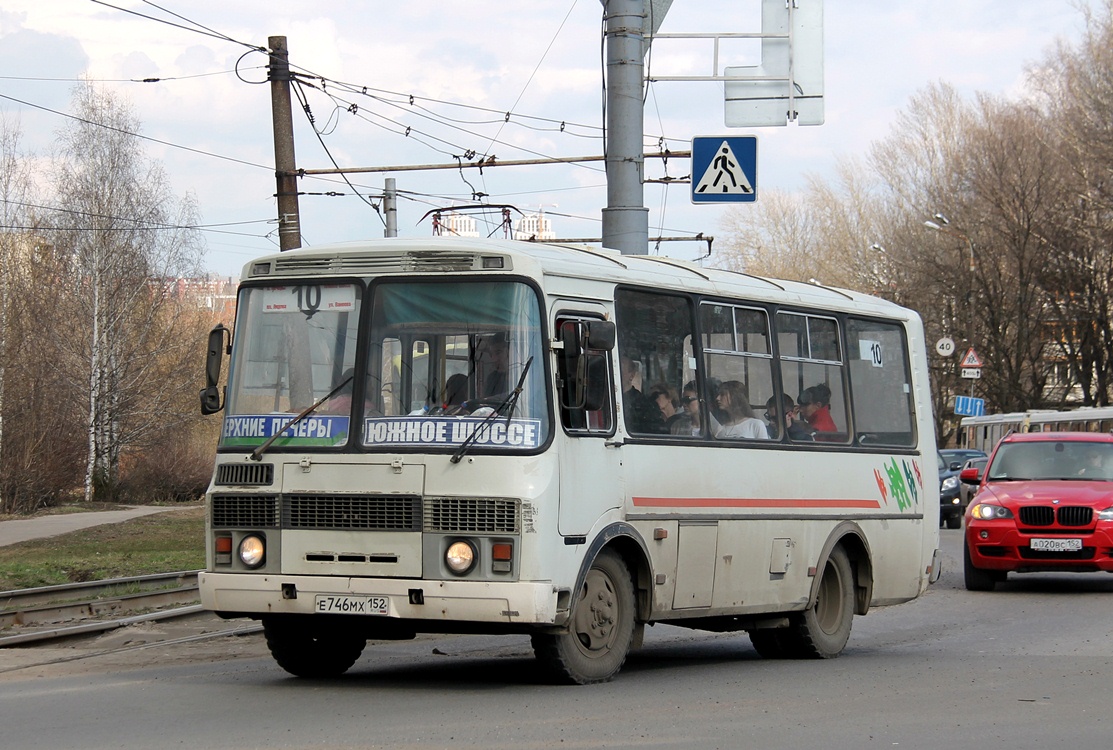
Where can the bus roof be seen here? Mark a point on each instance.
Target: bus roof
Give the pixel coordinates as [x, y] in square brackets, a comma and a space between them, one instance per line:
[458, 255]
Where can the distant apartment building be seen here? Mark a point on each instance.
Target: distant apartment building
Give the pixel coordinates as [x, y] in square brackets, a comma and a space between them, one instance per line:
[216, 293]
[455, 225]
[534, 227]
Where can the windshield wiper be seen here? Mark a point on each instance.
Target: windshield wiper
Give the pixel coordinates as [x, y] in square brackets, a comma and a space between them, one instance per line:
[257, 454]
[508, 404]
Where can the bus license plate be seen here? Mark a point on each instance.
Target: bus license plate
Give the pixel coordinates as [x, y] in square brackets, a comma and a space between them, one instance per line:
[1056, 545]
[352, 605]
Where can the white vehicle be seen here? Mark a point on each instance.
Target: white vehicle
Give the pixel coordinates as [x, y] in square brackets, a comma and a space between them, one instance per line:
[985, 431]
[452, 435]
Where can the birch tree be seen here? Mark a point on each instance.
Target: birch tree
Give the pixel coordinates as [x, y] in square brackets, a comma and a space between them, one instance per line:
[121, 238]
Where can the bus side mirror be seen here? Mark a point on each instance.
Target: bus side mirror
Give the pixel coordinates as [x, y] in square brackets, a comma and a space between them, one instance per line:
[211, 401]
[599, 334]
[585, 380]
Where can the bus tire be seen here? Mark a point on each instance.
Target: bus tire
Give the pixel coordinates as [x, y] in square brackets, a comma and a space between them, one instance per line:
[600, 630]
[822, 630]
[977, 579]
[307, 651]
[773, 643]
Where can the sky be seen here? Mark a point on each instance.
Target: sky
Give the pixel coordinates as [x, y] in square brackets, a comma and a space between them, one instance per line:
[518, 84]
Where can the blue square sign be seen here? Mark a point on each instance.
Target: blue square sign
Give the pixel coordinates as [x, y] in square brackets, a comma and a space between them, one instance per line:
[724, 169]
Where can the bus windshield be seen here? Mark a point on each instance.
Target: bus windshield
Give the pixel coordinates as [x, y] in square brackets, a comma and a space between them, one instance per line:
[295, 345]
[443, 358]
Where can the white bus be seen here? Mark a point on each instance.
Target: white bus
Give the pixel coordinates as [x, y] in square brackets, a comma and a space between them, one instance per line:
[458, 436]
[983, 432]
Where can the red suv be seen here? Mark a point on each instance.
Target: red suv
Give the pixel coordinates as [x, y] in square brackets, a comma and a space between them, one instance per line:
[1045, 503]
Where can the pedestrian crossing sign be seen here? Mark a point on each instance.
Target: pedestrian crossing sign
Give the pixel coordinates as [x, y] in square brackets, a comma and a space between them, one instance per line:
[724, 169]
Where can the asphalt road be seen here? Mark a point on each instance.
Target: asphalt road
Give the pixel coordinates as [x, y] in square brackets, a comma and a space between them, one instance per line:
[1027, 666]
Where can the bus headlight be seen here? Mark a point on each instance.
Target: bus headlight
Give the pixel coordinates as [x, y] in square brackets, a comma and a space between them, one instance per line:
[253, 551]
[460, 557]
[987, 512]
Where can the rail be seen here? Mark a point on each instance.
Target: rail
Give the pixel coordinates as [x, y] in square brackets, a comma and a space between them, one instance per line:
[95, 606]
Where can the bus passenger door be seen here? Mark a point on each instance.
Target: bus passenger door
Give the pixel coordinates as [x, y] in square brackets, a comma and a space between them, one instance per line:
[590, 463]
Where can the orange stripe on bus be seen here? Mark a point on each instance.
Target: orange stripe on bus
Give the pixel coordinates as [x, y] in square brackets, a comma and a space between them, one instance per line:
[749, 502]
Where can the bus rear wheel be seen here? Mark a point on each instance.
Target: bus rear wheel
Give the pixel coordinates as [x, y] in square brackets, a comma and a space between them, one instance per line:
[601, 628]
[305, 649]
[822, 630]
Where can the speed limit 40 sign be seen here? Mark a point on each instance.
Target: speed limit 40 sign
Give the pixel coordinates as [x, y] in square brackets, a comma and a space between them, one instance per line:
[945, 346]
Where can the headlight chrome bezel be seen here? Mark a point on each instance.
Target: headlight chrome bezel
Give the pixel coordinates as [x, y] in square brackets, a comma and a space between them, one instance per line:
[252, 551]
[461, 556]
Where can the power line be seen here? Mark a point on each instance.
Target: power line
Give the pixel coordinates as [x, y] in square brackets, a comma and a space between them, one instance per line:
[153, 224]
[160, 79]
[202, 30]
[135, 135]
[305, 106]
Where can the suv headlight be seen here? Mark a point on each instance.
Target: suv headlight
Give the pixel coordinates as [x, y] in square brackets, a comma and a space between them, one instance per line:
[1105, 515]
[988, 512]
[949, 483]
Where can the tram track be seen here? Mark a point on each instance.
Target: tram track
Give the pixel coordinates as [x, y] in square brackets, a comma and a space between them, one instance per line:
[51, 613]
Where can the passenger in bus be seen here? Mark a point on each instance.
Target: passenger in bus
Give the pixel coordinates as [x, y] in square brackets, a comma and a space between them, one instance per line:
[455, 393]
[715, 411]
[669, 403]
[815, 408]
[642, 415]
[741, 421]
[783, 417]
[689, 402]
[341, 401]
[495, 351]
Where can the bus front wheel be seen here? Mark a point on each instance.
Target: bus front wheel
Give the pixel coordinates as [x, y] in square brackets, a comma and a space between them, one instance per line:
[601, 629]
[822, 630]
[306, 650]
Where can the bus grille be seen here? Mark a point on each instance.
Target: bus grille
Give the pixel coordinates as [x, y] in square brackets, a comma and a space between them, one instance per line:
[1044, 515]
[472, 515]
[402, 262]
[239, 512]
[362, 512]
[245, 474]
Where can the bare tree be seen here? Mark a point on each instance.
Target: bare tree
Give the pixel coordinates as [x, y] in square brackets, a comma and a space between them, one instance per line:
[1077, 83]
[121, 235]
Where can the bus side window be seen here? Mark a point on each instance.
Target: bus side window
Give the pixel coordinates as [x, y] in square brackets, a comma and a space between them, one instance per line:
[880, 383]
[812, 371]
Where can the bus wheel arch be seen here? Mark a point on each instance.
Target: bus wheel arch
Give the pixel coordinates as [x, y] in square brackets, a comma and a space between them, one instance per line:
[607, 612]
[850, 537]
[842, 588]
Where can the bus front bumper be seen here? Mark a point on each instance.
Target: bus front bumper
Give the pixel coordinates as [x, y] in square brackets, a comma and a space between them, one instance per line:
[243, 594]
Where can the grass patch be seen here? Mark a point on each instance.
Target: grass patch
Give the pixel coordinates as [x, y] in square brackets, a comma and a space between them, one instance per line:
[160, 543]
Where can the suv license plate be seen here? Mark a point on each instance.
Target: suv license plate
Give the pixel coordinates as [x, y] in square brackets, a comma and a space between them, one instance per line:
[351, 605]
[1056, 545]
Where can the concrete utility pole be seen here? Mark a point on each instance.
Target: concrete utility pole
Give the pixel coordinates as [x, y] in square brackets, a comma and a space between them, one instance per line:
[390, 207]
[625, 219]
[289, 217]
